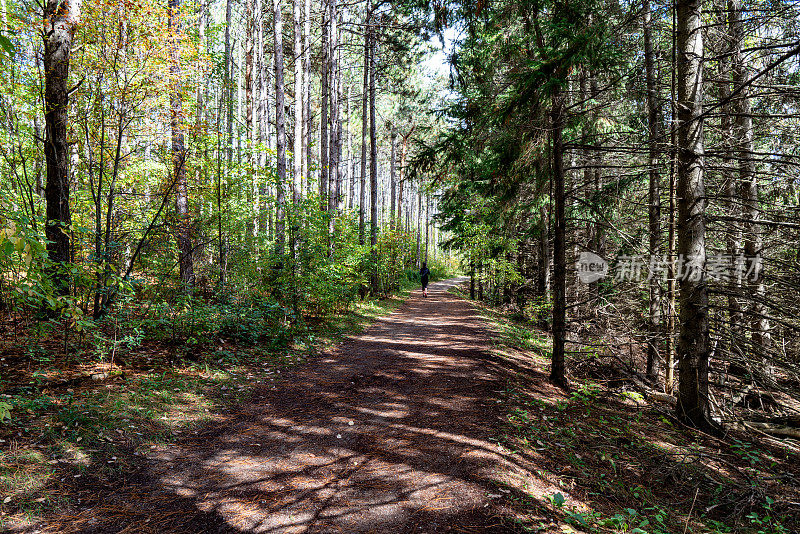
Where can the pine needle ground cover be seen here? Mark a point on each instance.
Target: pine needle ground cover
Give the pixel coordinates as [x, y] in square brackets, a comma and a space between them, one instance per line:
[608, 460]
[80, 422]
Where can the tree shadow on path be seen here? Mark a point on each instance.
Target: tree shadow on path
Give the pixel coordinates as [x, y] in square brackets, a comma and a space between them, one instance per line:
[392, 431]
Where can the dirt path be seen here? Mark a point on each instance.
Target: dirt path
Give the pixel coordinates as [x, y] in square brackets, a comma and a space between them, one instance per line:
[390, 432]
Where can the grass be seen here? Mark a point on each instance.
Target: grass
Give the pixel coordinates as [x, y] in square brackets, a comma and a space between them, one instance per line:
[100, 428]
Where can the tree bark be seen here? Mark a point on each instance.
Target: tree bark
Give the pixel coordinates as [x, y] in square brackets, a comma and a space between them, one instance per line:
[297, 155]
[693, 405]
[280, 136]
[364, 127]
[307, 161]
[335, 146]
[654, 199]
[60, 19]
[324, 170]
[558, 370]
[229, 80]
[183, 230]
[748, 179]
[373, 166]
[392, 176]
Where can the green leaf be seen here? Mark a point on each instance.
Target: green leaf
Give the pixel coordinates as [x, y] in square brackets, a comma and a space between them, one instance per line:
[5, 411]
[7, 45]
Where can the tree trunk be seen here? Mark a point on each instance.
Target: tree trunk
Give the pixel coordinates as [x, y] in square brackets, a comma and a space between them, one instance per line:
[544, 256]
[324, 174]
[364, 118]
[693, 345]
[183, 231]
[427, 223]
[558, 371]
[336, 119]
[731, 192]
[373, 165]
[307, 95]
[297, 153]
[60, 19]
[419, 227]
[654, 200]
[392, 176]
[280, 136]
[669, 375]
[229, 80]
[748, 179]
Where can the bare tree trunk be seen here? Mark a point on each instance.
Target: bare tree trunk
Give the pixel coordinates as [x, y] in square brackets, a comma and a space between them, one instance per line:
[229, 80]
[324, 170]
[544, 256]
[654, 199]
[351, 179]
[297, 156]
[753, 241]
[419, 228]
[693, 346]
[260, 206]
[60, 19]
[183, 232]
[392, 177]
[280, 136]
[364, 117]
[307, 161]
[427, 224]
[373, 163]
[335, 146]
[558, 371]
[403, 153]
[250, 135]
[732, 202]
[669, 375]
[248, 79]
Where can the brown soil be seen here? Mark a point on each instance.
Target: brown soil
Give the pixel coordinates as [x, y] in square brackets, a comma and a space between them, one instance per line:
[393, 431]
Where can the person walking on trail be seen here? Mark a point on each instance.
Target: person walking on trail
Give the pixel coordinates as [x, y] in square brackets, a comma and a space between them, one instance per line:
[424, 274]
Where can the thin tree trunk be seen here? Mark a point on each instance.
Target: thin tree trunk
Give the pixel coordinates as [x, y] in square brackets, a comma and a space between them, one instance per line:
[427, 224]
[748, 179]
[544, 255]
[669, 375]
[297, 156]
[324, 170]
[335, 146]
[351, 182]
[654, 200]
[229, 80]
[558, 371]
[280, 136]
[248, 80]
[179, 153]
[732, 203]
[364, 117]
[307, 160]
[373, 163]
[392, 177]
[693, 347]
[60, 19]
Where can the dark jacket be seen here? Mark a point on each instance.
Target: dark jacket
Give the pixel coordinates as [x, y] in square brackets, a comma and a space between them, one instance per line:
[424, 273]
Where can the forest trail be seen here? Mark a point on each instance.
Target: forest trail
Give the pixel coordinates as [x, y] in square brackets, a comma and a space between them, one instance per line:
[391, 431]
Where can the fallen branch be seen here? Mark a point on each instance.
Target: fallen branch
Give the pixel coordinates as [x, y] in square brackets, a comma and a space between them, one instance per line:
[775, 430]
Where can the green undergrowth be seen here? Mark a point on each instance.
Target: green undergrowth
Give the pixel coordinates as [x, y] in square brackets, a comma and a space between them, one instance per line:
[99, 425]
[606, 461]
